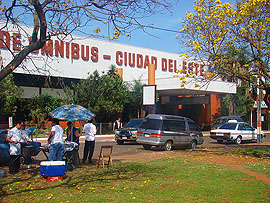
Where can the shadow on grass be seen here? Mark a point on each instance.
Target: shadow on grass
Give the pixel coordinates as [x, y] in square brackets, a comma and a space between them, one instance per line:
[82, 175]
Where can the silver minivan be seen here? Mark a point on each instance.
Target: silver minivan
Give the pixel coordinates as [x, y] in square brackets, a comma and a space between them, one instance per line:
[168, 131]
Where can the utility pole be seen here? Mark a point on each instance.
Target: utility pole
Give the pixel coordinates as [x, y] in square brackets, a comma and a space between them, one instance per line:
[259, 111]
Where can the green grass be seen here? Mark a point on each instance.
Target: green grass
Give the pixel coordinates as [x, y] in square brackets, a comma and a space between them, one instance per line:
[261, 152]
[165, 180]
[259, 167]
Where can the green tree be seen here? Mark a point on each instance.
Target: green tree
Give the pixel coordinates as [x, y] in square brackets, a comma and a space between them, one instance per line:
[41, 105]
[9, 93]
[237, 104]
[62, 18]
[104, 95]
[134, 106]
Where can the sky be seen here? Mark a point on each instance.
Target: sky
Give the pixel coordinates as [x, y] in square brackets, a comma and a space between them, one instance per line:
[155, 38]
[159, 39]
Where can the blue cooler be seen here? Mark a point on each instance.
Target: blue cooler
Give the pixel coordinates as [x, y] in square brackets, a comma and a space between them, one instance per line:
[52, 168]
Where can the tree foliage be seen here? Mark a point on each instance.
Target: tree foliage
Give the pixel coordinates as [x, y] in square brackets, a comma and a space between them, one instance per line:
[133, 109]
[9, 93]
[104, 95]
[61, 18]
[41, 105]
[218, 32]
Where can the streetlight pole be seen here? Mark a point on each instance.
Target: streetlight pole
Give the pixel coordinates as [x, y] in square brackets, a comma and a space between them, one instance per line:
[259, 111]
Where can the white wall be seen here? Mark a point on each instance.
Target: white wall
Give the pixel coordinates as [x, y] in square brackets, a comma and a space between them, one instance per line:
[78, 68]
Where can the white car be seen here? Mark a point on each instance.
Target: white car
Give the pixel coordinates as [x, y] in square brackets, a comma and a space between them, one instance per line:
[234, 130]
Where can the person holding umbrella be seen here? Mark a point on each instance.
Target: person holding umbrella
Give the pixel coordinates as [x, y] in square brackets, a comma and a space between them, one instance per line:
[90, 131]
[56, 141]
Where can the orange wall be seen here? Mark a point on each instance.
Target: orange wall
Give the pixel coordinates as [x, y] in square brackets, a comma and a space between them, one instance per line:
[215, 101]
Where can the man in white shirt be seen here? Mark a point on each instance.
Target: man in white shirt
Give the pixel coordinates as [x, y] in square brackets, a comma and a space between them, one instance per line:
[56, 141]
[15, 138]
[90, 131]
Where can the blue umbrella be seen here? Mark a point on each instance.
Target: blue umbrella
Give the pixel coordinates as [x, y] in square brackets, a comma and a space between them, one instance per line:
[72, 112]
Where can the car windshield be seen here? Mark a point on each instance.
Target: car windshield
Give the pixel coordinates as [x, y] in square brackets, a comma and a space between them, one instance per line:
[228, 126]
[134, 123]
[152, 124]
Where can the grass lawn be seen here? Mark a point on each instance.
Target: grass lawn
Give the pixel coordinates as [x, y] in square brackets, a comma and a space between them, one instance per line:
[165, 180]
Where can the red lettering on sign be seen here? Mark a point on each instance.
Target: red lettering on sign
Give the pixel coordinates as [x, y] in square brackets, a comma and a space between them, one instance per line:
[164, 64]
[125, 58]
[146, 61]
[154, 61]
[201, 69]
[119, 56]
[59, 48]
[196, 68]
[67, 49]
[131, 59]
[190, 67]
[139, 60]
[170, 65]
[175, 67]
[6, 39]
[75, 50]
[47, 48]
[184, 67]
[85, 57]
[16, 39]
[94, 52]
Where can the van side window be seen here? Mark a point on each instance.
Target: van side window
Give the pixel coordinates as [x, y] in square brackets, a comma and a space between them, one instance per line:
[193, 126]
[169, 125]
[181, 125]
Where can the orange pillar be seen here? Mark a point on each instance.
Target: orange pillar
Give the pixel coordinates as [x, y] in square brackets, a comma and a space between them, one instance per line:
[151, 74]
[207, 113]
[151, 79]
[119, 71]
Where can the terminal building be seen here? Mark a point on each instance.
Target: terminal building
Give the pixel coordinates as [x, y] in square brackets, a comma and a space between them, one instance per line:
[73, 59]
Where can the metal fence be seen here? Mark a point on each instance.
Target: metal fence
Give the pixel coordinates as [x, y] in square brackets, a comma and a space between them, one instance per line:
[102, 128]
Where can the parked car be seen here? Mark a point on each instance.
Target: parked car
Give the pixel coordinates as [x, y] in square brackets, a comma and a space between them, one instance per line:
[235, 131]
[128, 133]
[168, 131]
[224, 119]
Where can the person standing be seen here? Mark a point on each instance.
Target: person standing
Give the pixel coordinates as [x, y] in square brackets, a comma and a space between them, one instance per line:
[73, 136]
[117, 124]
[15, 137]
[90, 131]
[27, 134]
[56, 141]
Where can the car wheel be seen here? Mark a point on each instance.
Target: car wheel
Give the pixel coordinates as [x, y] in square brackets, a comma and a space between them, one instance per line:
[120, 142]
[238, 140]
[219, 141]
[193, 144]
[146, 146]
[167, 146]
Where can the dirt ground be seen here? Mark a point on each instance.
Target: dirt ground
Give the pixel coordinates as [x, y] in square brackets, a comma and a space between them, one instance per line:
[216, 156]
[236, 162]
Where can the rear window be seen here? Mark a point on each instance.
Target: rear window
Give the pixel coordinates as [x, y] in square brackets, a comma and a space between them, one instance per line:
[228, 126]
[133, 123]
[151, 124]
